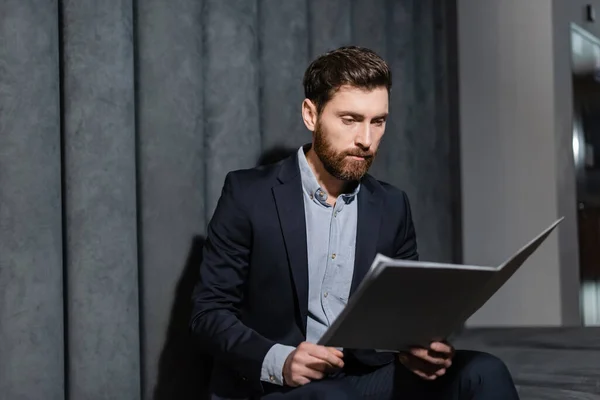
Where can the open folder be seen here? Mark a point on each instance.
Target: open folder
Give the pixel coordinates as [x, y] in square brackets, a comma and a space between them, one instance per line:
[402, 303]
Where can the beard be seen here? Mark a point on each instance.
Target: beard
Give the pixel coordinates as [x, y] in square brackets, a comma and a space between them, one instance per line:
[339, 164]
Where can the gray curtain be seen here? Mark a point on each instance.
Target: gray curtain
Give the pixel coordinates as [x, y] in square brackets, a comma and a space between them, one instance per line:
[118, 122]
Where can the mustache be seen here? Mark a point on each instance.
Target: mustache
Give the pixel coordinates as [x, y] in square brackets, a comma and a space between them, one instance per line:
[364, 154]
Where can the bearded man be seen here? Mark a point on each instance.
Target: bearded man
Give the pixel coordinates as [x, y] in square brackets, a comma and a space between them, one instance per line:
[289, 243]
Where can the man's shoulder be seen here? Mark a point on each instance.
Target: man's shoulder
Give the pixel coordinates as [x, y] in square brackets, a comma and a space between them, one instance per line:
[390, 192]
[254, 177]
[395, 202]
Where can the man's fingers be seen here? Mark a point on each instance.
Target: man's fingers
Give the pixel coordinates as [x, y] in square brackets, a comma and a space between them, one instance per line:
[431, 376]
[317, 364]
[310, 362]
[306, 368]
[324, 354]
[303, 381]
[421, 367]
[298, 381]
[335, 352]
[310, 373]
[430, 357]
[425, 376]
[426, 355]
[442, 347]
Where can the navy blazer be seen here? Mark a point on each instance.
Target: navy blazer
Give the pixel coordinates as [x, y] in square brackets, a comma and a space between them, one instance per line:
[253, 285]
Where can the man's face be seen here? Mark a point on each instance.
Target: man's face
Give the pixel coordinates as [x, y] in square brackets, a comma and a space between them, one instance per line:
[348, 131]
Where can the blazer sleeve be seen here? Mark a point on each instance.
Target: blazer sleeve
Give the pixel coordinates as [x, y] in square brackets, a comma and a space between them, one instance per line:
[406, 238]
[219, 291]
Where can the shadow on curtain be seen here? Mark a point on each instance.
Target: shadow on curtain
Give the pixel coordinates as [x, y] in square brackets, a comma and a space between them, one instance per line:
[184, 370]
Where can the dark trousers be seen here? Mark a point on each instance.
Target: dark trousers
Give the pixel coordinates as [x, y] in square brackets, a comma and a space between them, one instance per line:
[472, 376]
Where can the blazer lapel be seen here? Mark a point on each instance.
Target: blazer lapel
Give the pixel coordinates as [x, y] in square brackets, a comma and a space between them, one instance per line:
[367, 229]
[290, 209]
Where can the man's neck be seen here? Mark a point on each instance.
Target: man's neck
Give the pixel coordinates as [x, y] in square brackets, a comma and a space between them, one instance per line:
[332, 186]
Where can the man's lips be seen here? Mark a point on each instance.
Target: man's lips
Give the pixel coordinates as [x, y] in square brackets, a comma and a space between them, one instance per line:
[360, 156]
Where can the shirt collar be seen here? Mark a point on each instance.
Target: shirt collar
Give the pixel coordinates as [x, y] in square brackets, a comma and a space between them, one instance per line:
[310, 184]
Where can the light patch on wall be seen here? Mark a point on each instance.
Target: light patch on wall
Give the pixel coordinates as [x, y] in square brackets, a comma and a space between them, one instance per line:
[576, 146]
[590, 297]
[577, 43]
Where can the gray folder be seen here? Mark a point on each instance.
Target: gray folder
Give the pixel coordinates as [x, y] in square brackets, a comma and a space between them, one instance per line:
[402, 303]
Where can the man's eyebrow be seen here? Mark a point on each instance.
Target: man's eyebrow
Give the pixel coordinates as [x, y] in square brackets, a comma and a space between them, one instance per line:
[349, 114]
[358, 116]
[381, 116]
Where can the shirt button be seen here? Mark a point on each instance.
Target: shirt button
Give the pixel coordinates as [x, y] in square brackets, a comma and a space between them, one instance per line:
[325, 294]
[333, 256]
[272, 378]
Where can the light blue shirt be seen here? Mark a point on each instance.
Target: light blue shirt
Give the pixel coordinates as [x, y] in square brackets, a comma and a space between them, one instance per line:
[331, 241]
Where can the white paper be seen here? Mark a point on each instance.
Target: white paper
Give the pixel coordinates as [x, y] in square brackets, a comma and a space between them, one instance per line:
[403, 303]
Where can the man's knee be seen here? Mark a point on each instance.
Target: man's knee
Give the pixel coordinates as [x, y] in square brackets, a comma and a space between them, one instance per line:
[334, 389]
[482, 367]
[482, 376]
[318, 390]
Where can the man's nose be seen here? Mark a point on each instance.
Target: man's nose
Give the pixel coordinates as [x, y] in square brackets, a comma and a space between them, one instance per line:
[364, 138]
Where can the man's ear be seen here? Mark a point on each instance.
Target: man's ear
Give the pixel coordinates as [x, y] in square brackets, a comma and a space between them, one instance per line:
[309, 114]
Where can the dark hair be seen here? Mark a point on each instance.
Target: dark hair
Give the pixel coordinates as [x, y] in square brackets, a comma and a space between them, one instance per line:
[356, 66]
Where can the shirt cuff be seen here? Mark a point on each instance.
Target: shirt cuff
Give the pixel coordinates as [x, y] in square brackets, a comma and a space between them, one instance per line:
[272, 366]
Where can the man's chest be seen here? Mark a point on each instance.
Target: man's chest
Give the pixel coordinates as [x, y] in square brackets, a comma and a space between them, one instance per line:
[331, 243]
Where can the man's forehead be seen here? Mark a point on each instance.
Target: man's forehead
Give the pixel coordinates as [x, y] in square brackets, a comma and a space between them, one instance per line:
[372, 101]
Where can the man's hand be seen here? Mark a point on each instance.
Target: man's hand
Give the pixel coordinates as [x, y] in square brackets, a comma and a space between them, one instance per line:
[428, 363]
[310, 362]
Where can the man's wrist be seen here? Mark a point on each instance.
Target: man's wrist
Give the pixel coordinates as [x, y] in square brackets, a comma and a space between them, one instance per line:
[274, 362]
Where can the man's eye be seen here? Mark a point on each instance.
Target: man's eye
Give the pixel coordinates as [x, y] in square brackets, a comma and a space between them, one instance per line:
[348, 121]
[379, 122]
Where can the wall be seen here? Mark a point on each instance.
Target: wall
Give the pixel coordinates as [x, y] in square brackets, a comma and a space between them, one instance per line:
[31, 259]
[118, 123]
[517, 167]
